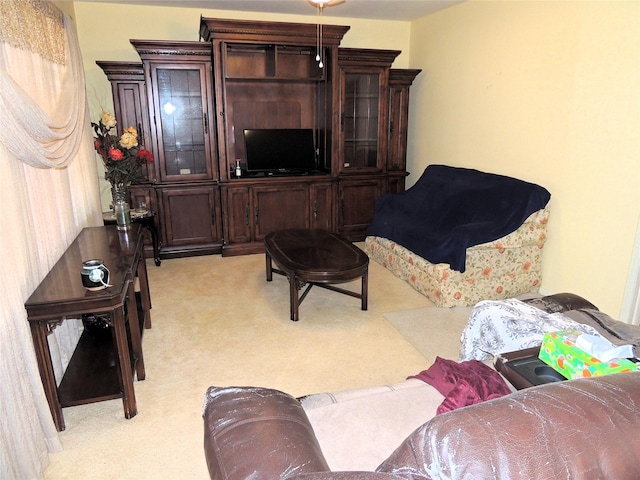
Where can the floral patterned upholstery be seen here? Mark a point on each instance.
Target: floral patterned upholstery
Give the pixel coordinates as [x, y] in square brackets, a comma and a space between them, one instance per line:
[507, 267]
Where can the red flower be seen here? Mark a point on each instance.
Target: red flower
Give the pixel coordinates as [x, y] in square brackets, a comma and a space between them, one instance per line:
[115, 154]
[97, 144]
[145, 155]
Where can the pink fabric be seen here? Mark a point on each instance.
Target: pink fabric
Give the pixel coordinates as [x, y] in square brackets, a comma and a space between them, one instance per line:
[464, 383]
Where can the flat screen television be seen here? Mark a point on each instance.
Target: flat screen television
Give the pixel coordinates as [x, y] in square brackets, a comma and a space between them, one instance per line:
[280, 151]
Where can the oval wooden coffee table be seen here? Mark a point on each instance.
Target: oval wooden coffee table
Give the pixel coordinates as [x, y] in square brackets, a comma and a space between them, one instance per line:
[315, 257]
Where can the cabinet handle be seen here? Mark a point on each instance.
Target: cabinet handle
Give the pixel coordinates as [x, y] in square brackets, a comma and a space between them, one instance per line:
[256, 215]
[213, 216]
[141, 134]
[315, 210]
[205, 120]
[246, 215]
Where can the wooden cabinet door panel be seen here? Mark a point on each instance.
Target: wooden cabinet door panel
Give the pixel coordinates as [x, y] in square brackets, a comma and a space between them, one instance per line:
[190, 216]
[357, 202]
[398, 116]
[279, 207]
[321, 204]
[238, 210]
[395, 184]
[128, 88]
[399, 82]
[133, 111]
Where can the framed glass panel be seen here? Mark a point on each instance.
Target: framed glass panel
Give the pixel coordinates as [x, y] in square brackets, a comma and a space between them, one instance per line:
[182, 121]
[360, 120]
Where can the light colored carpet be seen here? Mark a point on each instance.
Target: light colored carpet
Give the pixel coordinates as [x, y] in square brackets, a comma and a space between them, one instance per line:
[432, 330]
[216, 321]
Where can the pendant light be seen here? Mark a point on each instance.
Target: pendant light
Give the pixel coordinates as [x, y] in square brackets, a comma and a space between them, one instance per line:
[320, 4]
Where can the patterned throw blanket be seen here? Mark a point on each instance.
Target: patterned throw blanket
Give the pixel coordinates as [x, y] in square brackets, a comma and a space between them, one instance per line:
[499, 326]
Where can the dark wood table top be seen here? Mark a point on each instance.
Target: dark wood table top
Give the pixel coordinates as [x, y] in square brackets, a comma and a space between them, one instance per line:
[61, 291]
[316, 255]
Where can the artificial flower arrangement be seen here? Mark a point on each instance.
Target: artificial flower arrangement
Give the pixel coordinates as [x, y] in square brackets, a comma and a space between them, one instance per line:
[121, 156]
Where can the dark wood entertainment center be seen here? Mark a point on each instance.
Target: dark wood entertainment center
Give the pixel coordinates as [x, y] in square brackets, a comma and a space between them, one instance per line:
[191, 102]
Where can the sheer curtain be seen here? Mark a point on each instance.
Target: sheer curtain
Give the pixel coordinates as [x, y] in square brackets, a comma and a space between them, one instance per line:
[48, 193]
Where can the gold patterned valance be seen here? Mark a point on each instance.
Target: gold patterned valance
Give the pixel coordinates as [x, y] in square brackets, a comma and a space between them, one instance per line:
[34, 25]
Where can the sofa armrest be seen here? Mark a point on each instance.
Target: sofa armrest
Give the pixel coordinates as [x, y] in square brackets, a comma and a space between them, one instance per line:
[579, 429]
[258, 433]
[560, 302]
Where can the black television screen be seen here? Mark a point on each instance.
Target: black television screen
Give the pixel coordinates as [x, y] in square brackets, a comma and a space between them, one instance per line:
[280, 150]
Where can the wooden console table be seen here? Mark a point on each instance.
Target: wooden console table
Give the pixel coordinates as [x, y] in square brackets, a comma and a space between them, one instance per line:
[60, 296]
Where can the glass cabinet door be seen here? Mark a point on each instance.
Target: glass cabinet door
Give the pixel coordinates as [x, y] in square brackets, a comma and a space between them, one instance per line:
[182, 123]
[360, 122]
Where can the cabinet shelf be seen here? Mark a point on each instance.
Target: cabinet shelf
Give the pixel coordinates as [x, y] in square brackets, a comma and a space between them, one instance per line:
[185, 148]
[271, 62]
[278, 78]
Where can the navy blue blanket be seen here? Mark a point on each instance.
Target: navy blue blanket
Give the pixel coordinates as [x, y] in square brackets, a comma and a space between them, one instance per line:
[450, 209]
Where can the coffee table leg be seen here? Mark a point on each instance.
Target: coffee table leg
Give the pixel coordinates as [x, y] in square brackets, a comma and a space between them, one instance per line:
[293, 298]
[269, 267]
[365, 289]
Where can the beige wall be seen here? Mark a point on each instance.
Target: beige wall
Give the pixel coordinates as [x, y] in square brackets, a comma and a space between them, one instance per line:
[104, 31]
[548, 92]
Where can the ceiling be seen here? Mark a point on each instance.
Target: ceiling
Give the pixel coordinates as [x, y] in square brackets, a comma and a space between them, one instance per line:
[404, 10]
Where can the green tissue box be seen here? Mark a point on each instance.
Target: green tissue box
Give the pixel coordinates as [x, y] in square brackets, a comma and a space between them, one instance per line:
[559, 351]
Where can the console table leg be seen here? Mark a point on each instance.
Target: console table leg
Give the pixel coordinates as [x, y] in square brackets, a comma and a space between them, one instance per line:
[126, 375]
[39, 333]
[145, 296]
[134, 330]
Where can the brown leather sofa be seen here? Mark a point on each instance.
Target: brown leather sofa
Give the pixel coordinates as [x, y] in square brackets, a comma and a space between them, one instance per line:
[579, 429]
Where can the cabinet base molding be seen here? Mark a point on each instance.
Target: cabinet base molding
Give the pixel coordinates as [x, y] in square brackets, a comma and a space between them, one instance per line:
[190, 251]
[234, 250]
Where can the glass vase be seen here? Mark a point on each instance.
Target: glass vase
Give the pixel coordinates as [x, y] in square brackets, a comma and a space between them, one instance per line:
[121, 209]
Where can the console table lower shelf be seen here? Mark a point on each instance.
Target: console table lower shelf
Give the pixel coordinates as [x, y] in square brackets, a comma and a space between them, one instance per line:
[93, 373]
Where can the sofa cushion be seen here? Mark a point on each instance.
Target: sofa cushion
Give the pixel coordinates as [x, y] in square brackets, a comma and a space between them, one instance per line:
[357, 429]
[580, 429]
